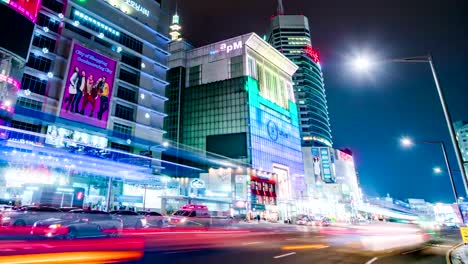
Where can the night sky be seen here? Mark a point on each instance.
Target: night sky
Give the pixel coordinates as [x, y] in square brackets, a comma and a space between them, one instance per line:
[369, 113]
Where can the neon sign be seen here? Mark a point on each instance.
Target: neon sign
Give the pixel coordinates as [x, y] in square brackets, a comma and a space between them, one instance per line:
[9, 80]
[27, 8]
[138, 7]
[311, 53]
[227, 48]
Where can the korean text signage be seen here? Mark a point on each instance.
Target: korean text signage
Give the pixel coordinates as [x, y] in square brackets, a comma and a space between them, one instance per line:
[138, 7]
[28, 8]
[228, 48]
[61, 137]
[88, 87]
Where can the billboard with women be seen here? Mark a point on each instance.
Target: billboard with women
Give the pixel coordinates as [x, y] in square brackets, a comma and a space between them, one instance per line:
[88, 87]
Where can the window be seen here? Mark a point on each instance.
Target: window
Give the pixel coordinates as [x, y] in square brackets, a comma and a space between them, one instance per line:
[50, 23]
[122, 130]
[260, 78]
[41, 41]
[124, 112]
[126, 94]
[34, 84]
[195, 75]
[236, 67]
[39, 63]
[29, 103]
[53, 5]
[94, 24]
[129, 77]
[131, 42]
[26, 126]
[131, 60]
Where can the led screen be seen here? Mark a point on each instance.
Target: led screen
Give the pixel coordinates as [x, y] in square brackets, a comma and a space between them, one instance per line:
[88, 87]
[228, 145]
[27, 8]
[18, 40]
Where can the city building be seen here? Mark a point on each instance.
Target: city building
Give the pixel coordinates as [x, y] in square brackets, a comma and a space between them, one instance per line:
[88, 79]
[332, 183]
[235, 98]
[290, 34]
[461, 128]
[120, 73]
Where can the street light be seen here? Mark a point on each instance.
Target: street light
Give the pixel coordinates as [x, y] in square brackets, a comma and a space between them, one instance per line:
[407, 142]
[363, 63]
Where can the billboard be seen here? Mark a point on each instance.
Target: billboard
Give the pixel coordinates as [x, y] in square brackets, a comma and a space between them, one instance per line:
[27, 8]
[324, 165]
[88, 87]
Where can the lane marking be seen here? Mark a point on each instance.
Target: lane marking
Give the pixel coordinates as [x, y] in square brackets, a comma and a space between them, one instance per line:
[289, 239]
[284, 255]
[251, 243]
[298, 247]
[372, 260]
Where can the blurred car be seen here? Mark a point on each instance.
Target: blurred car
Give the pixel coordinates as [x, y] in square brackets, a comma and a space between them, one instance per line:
[197, 215]
[153, 219]
[27, 216]
[130, 219]
[303, 220]
[79, 223]
[326, 221]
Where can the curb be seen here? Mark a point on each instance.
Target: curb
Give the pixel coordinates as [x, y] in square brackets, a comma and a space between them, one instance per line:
[448, 256]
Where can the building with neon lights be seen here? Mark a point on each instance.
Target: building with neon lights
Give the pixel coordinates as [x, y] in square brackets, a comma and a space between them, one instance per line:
[120, 48]
[237, 101]
[461, 127]
[290, 34]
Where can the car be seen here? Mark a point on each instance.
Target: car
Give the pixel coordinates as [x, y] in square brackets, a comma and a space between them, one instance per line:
[153, 219]
[27, 216]
[303, 220]
[197, 216]
[78, 223]
[130, 219]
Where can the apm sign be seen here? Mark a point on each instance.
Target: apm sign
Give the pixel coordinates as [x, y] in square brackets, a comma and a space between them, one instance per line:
[227, 47]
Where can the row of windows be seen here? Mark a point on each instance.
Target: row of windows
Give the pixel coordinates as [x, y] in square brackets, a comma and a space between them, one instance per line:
[39, 63]
[124, 112]
[122, 147]
[44, 21]
[131, 60]
[195, 74]
[237, 67]
[26, 126]
[123, 130]
[130, 77]
[53, 5]
[127, 94]
[33, 84]
[41, 41]
[29, 103]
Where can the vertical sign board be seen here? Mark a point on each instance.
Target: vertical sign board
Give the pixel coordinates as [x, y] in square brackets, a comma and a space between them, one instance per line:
[327, 165]
[88, 88]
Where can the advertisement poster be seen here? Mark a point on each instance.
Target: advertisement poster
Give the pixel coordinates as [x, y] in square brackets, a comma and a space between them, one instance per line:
[28, 8]
[58, 136]
[88, 87]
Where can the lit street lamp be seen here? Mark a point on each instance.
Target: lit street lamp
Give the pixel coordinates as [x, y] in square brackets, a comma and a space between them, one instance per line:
[408, 142]
[364, 63]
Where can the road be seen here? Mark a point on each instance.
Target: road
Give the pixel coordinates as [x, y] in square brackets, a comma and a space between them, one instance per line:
[298, 245]
[243, 244]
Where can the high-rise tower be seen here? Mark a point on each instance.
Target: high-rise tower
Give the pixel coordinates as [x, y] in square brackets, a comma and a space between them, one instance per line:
[290, 34]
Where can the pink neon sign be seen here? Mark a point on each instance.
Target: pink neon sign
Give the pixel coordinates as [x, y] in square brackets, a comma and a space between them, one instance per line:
[9, 80]
[28, 8]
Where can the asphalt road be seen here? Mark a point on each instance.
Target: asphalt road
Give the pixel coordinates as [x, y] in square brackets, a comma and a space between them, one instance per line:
[294, 245]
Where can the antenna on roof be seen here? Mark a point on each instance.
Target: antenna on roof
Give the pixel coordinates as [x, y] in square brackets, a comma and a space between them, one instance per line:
[280, 10]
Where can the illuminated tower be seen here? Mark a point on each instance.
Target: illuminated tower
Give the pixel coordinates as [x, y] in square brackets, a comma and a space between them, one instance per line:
[291, 36]
[175, 27]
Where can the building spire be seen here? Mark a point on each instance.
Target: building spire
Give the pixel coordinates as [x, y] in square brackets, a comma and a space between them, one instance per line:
[280, 10]
[175, 26]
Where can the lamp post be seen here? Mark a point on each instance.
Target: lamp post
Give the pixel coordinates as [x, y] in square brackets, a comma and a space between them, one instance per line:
[362, 63]
[407, 142]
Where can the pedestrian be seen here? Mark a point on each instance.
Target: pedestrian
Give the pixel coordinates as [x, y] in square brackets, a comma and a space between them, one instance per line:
[72, 88]
[258, 218]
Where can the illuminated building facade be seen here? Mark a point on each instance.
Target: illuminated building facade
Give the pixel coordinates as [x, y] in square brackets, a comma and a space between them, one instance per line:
[461, 127]
[290, 34]
[120, 48]
[237, 101]
[88, 79]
